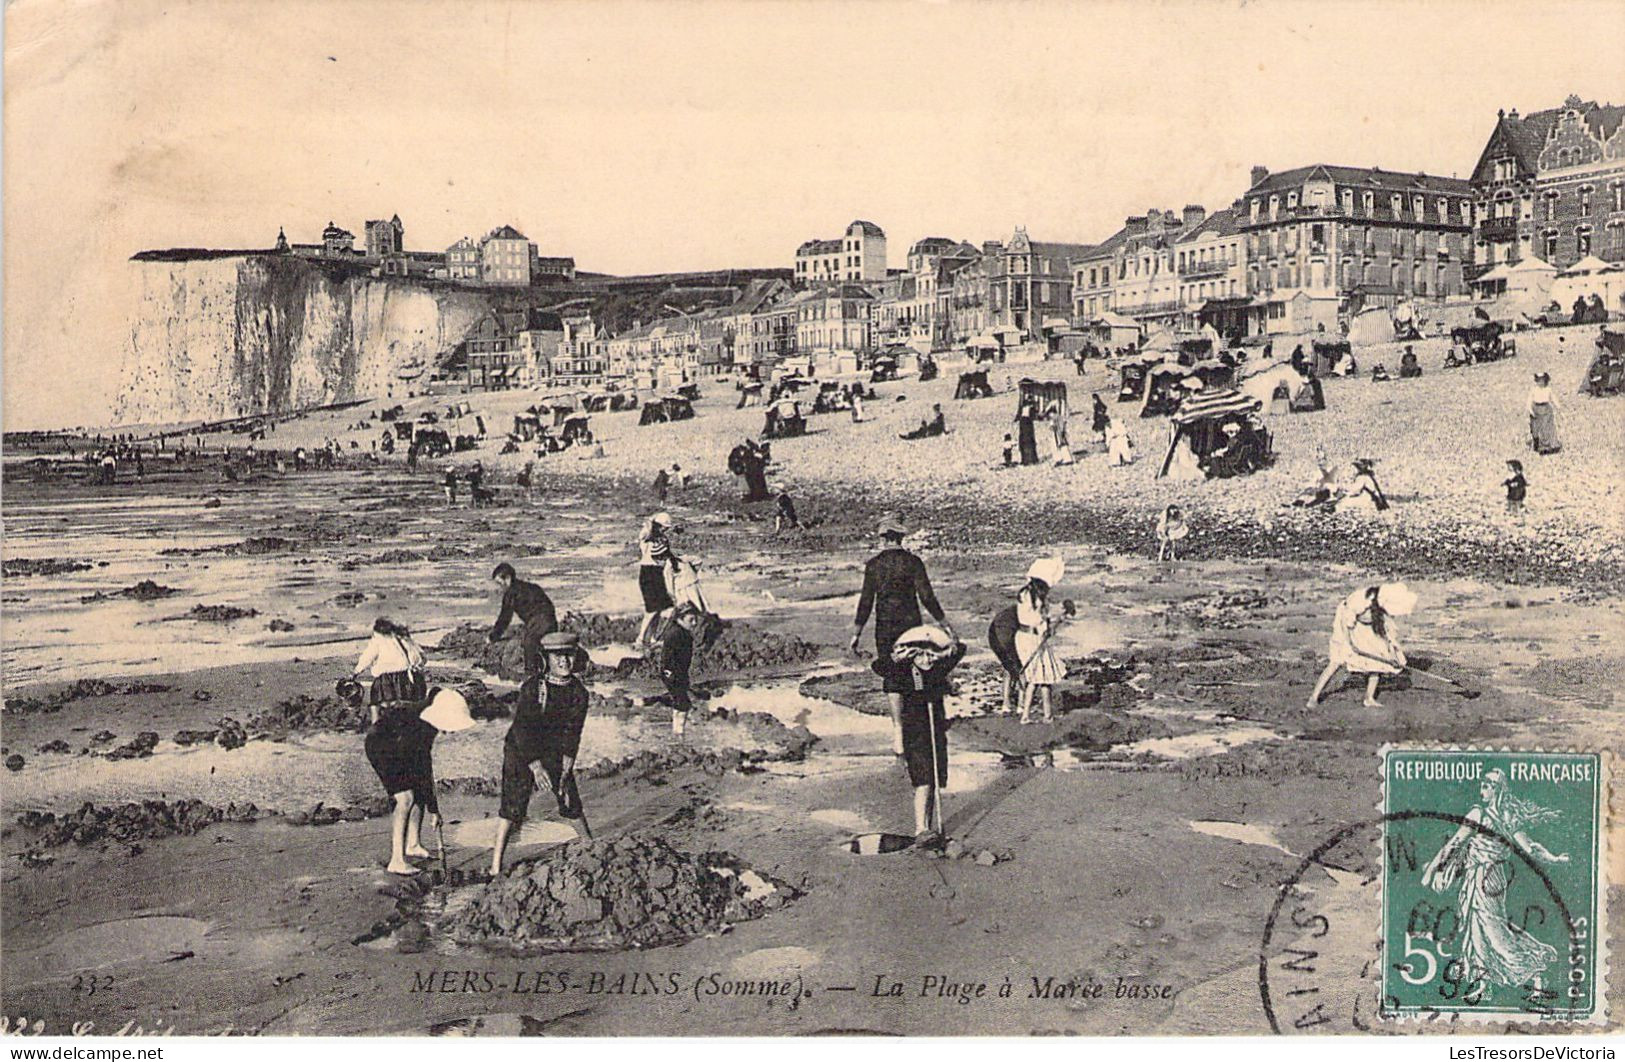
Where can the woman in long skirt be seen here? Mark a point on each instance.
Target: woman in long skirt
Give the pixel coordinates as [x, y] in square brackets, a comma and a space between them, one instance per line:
[1039, 667]
[1026, 439]
[1058, 425]
[1364, 639]
[1543, 416]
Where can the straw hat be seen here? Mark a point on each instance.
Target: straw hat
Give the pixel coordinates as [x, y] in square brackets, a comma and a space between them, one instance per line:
[663, 519]
[1396, 599]
[1048, 570]
[890, 525]
[447, 712]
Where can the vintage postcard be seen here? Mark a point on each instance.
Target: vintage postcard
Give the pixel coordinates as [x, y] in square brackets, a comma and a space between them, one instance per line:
[773, 519]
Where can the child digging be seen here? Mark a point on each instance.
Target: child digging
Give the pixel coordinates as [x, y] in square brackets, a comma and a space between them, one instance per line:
[1364, 639]
[930, 654]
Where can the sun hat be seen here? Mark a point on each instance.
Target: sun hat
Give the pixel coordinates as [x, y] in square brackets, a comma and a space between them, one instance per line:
[925, 636]
[1396, 599]
[890, 525]
[560, 642]
[663, 519]
[447, 712]
[1048, 570]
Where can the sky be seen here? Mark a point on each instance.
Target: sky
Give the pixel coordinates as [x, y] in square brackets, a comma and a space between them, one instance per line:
[687, 135]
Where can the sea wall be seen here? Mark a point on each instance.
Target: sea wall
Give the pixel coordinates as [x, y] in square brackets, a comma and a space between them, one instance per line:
[230, 336]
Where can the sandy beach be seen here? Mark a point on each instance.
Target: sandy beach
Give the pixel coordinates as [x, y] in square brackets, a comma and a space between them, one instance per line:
[1141, 838]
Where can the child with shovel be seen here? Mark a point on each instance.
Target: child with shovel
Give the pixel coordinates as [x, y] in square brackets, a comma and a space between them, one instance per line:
[930, 654]
[1364, 639]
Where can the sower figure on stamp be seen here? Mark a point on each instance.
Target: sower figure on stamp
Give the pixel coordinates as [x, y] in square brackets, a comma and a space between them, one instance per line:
[1494, 950]
[547, 723]
[533, 607]
[895, 586]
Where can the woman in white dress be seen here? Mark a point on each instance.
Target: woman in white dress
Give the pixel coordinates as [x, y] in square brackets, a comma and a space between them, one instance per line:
[1119, 447]
[1039, 667]
[1364, 638]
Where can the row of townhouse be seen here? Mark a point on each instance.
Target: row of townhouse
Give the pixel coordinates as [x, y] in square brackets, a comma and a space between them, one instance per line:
[1296, 251]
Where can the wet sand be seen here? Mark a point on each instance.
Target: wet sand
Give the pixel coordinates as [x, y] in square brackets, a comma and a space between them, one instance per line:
[1143, 837]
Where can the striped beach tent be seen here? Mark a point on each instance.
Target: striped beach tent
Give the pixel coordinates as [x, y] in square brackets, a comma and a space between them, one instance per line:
[1214, 402]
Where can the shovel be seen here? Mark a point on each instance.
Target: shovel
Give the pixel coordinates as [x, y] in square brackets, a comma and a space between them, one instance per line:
[1465, 691]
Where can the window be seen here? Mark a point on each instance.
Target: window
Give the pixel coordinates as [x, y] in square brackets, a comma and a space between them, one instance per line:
[1275, 205]
[1394, 203]
[1549, 244]
[1582, 239]
[1367, 199]
[1291, 200]
[1585, 201]
[1348, 201]
[1419, 207]
[1618, 191]
[1255, 210]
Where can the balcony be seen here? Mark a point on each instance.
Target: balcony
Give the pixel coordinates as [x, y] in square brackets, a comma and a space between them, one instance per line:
[1149, 309]
[1195, 270]
[1499, 230]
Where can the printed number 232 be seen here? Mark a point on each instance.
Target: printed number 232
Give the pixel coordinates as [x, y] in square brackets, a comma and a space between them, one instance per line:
[1407, 968]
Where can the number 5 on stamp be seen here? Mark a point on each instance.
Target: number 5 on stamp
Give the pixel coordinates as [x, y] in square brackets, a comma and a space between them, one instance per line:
[1493, 884]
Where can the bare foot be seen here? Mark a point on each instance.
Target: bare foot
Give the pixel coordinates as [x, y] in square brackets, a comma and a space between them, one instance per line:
[1373, 704]
[405, 870]
[419, 852]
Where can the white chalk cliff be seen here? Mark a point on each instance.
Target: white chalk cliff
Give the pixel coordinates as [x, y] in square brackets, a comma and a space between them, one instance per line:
[215, 337]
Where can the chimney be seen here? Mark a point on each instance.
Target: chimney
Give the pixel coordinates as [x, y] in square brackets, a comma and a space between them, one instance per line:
[1259, 173]
[1135, 225]
[1194, 215]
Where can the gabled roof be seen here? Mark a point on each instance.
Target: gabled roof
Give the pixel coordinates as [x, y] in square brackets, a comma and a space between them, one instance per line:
[1218, 223]
[1375, 178]
[1062, 255]
[1527, 135]
[1107, 248]
[504, 232]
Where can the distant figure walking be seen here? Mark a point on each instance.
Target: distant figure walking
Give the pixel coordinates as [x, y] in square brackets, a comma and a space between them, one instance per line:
[1026, 436]
[1119, 447]
[1171, 529]
[1516, 486]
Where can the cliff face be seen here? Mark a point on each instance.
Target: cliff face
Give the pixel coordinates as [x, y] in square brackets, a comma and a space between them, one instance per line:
[224, 337]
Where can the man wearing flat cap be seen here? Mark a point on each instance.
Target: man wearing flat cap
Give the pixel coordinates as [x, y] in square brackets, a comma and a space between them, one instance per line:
[547, 723]
[895, 587]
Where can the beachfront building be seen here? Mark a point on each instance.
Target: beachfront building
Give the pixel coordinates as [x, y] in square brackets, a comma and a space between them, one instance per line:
[1323, 241]
[740, 334]
[969, 309]
[931, 265]
[551, 270]
[859, 255]
[886, 324]
[772, 335]
[1210, 259]
[1030, 285]
[832, 319]
[580, 359]
[1551, 185]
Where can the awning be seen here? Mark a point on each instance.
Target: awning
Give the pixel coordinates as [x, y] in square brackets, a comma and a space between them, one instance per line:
[1498, 273]
[1586, 266]
[1214, 402]
[1238, 302]
[1056, 323]
[1007, 330]
[983, 340]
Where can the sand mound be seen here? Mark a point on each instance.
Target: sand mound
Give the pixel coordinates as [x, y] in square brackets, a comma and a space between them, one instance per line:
[613, 893]
[43, 566]
[145, 590]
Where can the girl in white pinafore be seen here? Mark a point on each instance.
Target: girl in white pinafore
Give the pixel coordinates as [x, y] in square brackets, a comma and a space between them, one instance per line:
[1039, 667]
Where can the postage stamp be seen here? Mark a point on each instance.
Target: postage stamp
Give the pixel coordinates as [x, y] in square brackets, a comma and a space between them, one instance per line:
[1493, 884]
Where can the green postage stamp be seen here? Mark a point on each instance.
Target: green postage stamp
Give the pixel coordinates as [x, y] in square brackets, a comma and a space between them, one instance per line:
[1494, 884]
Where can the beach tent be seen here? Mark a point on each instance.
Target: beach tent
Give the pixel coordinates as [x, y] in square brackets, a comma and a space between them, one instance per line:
[1114, 330]
[1587, 277]
[1220, 450]
[1261, 385]
[1372, 326]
